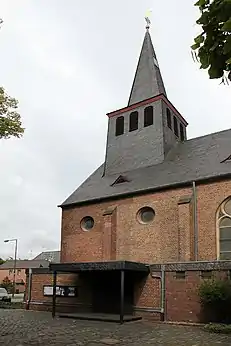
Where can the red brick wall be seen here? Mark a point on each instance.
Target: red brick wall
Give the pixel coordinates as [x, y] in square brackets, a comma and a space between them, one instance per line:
[182, 299]
[210, 197]
[40, 280]
[114, 234]
[20, 276]
[134, 241]
[168, 238]
[185, 233]
[109, 235]
[147, 293]
[155, 242]
[182, 302]
[80, 246]
[181, 295]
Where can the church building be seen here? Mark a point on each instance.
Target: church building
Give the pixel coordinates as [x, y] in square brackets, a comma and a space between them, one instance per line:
[151, 223]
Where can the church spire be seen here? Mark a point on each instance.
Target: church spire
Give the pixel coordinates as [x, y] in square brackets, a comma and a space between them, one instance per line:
[148, 81]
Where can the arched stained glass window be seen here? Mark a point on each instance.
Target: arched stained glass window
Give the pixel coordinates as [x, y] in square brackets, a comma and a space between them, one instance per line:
[224, 229]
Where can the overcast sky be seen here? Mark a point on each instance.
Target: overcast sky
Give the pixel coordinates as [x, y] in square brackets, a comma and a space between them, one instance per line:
[69, 63]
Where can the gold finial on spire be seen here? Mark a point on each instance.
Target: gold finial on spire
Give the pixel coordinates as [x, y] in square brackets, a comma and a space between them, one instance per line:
[147, 18]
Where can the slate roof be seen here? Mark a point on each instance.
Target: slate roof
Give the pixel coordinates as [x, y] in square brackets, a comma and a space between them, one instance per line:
[148, 81]
[196, 159]
[41, 261]
[25, 264]
[51, 256]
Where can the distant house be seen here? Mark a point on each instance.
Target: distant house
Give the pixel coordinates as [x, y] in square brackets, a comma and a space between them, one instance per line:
[51, 256]
[41, 261]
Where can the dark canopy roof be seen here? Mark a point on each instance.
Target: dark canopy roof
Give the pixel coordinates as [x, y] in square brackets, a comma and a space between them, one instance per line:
[99, 266]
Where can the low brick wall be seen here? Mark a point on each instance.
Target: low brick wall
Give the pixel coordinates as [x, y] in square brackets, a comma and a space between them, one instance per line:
[182, 281]
[43, 277]
[60, 307]
[9, 305]
[146, 294]
[148, 315]
[181, 301]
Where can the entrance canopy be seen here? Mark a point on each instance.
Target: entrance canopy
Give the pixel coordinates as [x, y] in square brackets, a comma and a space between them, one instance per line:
[120, 269]
[99, 266]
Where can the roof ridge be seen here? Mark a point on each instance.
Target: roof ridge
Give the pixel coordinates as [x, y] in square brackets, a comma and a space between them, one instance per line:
[49, 251]
[83, 183]
[207, 135]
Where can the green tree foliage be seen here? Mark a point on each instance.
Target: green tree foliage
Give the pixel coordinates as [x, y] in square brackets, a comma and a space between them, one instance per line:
[215, 299]
[10, 121]
[2, 261]
[7, 284]
[212, 48]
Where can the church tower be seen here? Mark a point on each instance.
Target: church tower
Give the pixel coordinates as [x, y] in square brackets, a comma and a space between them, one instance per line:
[143, 133]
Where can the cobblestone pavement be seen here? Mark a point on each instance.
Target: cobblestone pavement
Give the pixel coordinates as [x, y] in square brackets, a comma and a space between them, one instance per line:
[20, 328]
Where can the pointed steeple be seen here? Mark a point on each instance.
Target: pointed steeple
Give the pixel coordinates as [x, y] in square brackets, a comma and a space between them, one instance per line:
[148, 81]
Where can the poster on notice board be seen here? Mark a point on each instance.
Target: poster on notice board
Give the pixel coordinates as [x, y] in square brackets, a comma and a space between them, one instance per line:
[61, 291]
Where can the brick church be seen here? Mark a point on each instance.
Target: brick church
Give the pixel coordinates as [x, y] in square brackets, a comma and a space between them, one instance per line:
[141, 233]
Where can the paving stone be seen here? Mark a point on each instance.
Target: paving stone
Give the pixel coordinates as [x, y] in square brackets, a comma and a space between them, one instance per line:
[29, 328]
[109, 341]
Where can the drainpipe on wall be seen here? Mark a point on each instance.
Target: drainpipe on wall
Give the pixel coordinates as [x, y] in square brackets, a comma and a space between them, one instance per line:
[162, 288]
[163, 292]
[195, 221]
[29, 289]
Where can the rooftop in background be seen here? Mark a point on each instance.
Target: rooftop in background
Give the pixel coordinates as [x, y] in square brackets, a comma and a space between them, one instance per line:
[41, 261]
[51, 256]
[25, 264]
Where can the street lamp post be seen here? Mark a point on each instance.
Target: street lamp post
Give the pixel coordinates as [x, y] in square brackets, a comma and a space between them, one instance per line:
[15, 260]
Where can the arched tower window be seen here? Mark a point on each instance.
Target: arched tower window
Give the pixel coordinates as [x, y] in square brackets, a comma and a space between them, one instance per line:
[182, 133]
[148, 116]
[176, 131]
[119, 126]
[133, 123]
[224, 230]
[169, 118]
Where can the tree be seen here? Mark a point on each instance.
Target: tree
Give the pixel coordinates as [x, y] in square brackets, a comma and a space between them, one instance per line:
[212, 48]
[7, 284]
[10, 120]
[2, 261]
[215, 299]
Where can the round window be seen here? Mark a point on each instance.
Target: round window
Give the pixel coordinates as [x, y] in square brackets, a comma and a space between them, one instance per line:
[146, 215]
[87, 223]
